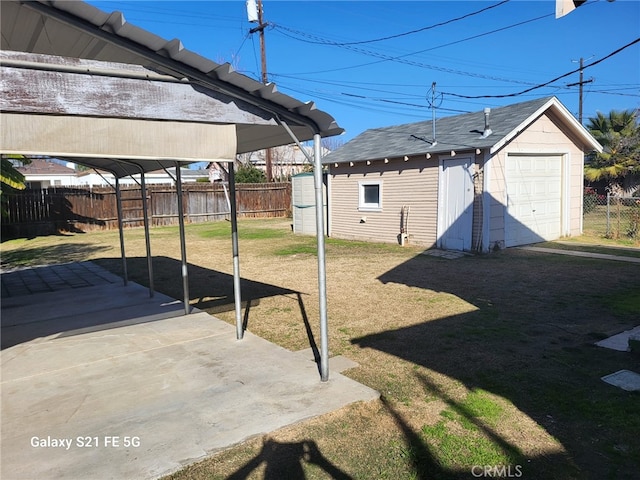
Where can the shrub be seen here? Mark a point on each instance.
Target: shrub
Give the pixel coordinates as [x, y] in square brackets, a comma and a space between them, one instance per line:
[250, 174]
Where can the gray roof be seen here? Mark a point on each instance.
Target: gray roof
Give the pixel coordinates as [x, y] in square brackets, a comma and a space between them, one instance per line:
[460, 132]
[78, 30]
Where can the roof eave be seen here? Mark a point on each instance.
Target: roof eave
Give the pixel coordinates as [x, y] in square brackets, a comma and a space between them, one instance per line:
[173, 57]
[589, 141]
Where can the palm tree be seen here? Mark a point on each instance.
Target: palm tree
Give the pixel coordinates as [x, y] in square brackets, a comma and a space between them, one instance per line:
[619, 162]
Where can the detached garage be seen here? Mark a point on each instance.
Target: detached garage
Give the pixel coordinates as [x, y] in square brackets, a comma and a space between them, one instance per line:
[474, 182]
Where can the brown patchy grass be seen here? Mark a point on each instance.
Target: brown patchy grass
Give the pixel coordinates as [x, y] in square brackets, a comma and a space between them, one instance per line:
[484, 360]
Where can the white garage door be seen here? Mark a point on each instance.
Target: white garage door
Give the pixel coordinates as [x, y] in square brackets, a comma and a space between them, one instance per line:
[534, 199]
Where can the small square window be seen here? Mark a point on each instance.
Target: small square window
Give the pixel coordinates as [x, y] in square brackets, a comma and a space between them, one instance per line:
[370, 196]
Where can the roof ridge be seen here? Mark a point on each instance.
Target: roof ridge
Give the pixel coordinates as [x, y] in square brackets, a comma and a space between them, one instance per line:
[541, 101]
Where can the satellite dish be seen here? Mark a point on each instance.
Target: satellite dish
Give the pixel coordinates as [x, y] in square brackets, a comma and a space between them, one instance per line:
[252, 11]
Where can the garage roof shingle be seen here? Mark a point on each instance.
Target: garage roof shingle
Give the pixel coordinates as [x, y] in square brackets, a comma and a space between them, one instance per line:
[459, 132]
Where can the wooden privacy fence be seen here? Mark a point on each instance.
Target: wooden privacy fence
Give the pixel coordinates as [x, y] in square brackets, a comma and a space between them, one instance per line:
[81, 209]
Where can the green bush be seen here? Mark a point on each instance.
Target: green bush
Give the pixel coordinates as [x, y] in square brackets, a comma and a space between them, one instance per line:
[250, 174]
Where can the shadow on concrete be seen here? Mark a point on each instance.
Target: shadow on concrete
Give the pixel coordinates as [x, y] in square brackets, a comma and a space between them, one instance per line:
[66, 307]
[209, 289]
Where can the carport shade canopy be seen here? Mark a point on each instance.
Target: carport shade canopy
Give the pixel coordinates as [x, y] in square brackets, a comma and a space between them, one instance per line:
[128, 146]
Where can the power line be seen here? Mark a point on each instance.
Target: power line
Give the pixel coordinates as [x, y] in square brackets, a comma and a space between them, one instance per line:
[535, 87]
[404, 34]
[355, 85]
[402, 58]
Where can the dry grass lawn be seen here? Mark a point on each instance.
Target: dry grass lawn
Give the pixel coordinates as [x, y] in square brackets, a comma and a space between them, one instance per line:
[480, 361]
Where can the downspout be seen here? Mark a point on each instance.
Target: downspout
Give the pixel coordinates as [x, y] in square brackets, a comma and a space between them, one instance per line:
[486, 200]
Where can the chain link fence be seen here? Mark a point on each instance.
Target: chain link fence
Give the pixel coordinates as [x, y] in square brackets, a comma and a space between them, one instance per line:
[612, 217]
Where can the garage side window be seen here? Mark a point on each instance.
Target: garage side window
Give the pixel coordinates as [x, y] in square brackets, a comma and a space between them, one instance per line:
[370, 194]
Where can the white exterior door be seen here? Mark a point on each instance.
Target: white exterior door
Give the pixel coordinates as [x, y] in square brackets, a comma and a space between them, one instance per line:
[455, 204]
[534, 199]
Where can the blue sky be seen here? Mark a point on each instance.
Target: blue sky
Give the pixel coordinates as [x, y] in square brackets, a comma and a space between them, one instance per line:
[312, 52]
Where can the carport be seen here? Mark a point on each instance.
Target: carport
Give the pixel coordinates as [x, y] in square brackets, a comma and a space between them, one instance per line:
[104, 381]
[129, 102]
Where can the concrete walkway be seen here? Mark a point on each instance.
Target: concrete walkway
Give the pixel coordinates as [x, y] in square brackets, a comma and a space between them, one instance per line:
[103, 382]
[575, 253]
[620, 341]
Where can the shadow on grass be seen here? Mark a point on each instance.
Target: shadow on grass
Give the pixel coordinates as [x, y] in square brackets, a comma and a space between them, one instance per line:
[528, 337]
[286, 460]
[423, 462]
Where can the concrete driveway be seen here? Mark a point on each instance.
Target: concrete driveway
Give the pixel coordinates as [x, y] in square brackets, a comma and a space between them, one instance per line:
[101, 381]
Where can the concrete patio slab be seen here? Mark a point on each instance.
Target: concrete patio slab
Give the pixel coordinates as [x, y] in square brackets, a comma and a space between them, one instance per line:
[620, 341]
[109, 387]
[624, 379]
[446, 254]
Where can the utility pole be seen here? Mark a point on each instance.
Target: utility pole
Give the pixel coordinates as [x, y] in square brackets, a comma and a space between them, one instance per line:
[580, 84]
[251, 5]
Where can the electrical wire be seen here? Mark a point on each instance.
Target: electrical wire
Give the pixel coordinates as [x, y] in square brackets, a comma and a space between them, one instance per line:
[404, 34]
[402, 58]
[391, 98]
[535, 87]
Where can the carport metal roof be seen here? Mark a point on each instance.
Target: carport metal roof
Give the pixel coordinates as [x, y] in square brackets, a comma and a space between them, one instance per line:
[76, 30]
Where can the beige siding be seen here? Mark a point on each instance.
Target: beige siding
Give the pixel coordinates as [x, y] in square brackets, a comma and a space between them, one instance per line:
[413, 183]
[544, 136]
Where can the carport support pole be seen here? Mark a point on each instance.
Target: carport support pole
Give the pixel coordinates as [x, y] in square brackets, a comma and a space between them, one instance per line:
[183, 243]
[322, 270]
[121, 232]
[147, 239]
[236, 255]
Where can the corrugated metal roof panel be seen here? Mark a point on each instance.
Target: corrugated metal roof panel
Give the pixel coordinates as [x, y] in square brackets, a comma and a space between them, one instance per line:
[79, 30]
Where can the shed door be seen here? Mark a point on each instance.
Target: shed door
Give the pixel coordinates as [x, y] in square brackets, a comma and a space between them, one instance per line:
[455, 204]
[534, 199]
[303, 199]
